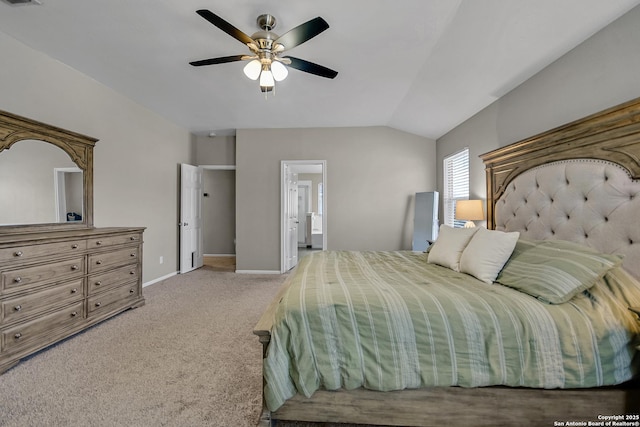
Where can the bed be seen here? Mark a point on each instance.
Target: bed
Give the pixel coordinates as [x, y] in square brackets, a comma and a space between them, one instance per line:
[538, 332]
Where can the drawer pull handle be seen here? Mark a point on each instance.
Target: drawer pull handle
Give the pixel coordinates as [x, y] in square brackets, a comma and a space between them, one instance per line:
[74, 267]
[131, 291]
[17, 308]
[74, 246]
[132, 237]
[98, 283]
[17, 279]
[133, 255]
[74, 314]
[132, 272]
[98, 304]
[99, 262]
[99, 242]
[74, 290]
[18, 336]
[18, 253]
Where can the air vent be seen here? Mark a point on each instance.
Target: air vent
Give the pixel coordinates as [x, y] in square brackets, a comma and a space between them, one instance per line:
[23, 1]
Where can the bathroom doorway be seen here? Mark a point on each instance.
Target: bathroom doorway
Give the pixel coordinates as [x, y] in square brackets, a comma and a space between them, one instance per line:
[304, 222]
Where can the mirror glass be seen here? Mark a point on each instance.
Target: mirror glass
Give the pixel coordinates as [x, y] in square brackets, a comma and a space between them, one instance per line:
[39, 184]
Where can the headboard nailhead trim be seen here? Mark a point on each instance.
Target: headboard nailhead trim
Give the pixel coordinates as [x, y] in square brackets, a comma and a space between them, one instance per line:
[580, 211]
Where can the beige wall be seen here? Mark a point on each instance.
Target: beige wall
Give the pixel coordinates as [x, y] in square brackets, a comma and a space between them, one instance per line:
[137, 156]
[218, 150]
[598, 74]
[219, 212]
[372, 175]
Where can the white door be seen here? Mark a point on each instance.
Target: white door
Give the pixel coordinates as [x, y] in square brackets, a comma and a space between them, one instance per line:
[190, 218]
[291, 218]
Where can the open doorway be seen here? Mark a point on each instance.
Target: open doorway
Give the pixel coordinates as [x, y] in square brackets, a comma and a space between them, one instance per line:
[219, 217]
[68, 185]
[303, 211]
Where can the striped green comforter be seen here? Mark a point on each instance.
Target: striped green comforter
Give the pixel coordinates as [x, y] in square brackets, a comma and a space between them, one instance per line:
[390, 321]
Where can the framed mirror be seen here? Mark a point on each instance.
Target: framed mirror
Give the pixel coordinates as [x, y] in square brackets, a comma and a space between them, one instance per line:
[46, 176]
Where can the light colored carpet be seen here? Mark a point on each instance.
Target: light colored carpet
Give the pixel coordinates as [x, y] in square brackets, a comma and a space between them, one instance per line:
[186, 358]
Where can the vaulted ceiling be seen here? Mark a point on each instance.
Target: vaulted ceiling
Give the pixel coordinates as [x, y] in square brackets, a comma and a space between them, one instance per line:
[421, 66]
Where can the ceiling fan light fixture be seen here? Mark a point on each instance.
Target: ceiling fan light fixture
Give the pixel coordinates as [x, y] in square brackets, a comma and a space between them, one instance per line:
[265, 63]
[266, 78]
[253, 69]
[279, 71]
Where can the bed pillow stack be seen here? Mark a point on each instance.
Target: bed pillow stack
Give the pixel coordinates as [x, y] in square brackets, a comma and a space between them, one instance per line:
[476, 251]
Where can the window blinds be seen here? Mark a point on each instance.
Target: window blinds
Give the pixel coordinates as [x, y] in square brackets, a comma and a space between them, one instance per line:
[456, 185]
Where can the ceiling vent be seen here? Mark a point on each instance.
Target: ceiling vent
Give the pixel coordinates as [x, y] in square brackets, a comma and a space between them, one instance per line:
[23, 1]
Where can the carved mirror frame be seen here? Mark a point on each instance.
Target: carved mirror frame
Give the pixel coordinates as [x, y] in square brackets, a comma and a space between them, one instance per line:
[14, 128]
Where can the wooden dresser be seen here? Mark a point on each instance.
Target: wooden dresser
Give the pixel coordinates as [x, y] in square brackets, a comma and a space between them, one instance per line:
[54, 284]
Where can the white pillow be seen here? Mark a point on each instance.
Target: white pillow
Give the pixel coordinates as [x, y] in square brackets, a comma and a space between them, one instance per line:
[487, 253]
[449, 245]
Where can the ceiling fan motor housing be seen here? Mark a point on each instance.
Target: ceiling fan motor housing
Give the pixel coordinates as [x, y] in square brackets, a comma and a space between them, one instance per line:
[264, 39]
[266, 22]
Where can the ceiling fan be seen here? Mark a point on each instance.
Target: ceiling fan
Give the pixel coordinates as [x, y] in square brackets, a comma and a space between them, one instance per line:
[265, 61]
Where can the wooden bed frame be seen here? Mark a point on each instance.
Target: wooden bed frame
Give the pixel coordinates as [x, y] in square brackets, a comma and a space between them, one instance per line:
[612, 135]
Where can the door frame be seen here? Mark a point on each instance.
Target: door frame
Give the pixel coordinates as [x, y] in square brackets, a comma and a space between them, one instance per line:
[284, 201]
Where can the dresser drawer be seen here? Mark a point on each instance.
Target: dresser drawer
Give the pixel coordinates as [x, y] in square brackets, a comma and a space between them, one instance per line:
[101, 261]
[104, 281]
[43, 329]
[24, 254]
[22, 307]
[100, 242]
[24, 278]
[114, 299]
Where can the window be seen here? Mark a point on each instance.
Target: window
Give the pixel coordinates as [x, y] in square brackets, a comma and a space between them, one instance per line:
[456, 185]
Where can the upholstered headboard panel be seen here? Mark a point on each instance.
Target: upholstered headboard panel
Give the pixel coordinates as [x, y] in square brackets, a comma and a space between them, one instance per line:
[593, 202]
[579, 182]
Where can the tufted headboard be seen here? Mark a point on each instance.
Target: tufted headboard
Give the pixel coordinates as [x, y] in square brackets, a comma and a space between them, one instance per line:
[579, 182]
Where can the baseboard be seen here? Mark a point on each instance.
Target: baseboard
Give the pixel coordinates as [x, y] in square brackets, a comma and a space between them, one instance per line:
[159, 279]
[220, 255]
[258, 272]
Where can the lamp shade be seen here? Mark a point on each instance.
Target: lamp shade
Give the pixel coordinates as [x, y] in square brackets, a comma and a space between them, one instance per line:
[470, 210]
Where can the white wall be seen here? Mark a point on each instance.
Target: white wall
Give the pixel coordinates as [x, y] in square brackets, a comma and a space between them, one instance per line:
[372, 175]
[137, 155]
[598, 74]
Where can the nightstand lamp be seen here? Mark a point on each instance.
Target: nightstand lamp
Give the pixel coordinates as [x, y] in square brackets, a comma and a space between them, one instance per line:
[469, 210]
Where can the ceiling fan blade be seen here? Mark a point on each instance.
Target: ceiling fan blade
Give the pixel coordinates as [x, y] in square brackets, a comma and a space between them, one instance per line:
[310, 67]
[302, 33]
[221, 60]
[224, 26]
